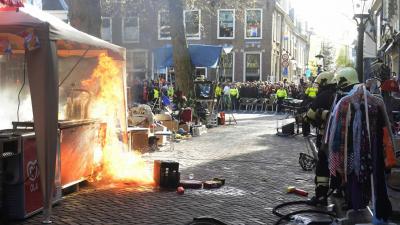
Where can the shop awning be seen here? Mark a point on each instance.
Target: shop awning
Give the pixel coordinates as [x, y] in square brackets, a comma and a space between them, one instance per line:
[15, 20]
[200, 55]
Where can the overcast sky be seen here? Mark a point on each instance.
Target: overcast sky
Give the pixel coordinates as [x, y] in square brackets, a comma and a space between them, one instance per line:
[332, 19]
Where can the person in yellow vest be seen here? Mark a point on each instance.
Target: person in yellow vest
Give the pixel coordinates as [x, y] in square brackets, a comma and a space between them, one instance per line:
[281, 94]
[311, 92]
[234, 92]
[170, 91]
[218, 94]
[156, 94]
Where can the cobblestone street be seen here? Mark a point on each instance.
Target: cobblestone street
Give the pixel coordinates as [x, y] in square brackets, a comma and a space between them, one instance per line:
[257, 165]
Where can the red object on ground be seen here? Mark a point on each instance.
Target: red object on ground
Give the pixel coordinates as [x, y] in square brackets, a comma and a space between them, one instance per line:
[180, 190]
[222, 116]
[297, 191]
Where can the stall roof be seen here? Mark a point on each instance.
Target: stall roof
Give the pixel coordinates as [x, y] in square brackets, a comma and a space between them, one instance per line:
[200, 55]
[30, 17]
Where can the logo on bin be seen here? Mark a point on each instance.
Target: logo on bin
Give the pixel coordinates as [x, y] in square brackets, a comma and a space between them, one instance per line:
[33, 170]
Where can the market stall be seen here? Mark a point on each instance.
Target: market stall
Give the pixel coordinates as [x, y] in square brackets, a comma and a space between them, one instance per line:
[54, 58]
[201, 56]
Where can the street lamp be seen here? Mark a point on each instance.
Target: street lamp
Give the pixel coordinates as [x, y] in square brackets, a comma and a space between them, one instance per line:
[361, 16]
[227, 50]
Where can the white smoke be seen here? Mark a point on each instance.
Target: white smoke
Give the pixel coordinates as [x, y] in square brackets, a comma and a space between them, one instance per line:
[9, 107]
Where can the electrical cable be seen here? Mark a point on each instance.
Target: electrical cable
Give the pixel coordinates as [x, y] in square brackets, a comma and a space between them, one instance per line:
[287, 216]
[22, 87]
[73, 68]
[308, 202]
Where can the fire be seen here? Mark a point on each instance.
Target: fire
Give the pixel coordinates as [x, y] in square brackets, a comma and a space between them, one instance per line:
[108, 104]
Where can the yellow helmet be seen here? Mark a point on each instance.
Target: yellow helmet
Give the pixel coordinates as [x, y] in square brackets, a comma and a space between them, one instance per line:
[325, 78]
[346, 77]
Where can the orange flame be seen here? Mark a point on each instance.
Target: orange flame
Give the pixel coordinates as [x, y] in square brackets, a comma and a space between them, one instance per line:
[118, 164]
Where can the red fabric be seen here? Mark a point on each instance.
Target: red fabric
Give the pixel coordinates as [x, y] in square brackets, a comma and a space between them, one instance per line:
[12, 3]
[390, 85]
[186, 115]
[390, 157]
[8, 9]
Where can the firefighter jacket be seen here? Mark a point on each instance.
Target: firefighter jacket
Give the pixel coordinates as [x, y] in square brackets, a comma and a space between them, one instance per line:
[321, 105]
[281, 93]
[234, 92]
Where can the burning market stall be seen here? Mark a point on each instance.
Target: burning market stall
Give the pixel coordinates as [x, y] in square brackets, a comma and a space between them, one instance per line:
[61, 64]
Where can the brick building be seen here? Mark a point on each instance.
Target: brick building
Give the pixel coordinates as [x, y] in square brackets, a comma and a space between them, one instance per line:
[248, 26]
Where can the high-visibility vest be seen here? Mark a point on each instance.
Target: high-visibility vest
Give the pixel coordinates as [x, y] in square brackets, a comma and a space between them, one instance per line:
[170, 91]
[281, 93]
[156, 94]
[234, 92]
[311, 92]
[218, 91]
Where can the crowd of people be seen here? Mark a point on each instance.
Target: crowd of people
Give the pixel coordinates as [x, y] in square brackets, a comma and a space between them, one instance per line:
[228, 93]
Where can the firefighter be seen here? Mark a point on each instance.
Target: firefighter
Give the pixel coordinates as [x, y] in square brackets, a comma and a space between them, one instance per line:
[331, 89]
[281, 94]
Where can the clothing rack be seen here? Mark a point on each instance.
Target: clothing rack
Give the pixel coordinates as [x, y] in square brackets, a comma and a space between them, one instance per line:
[356, 154]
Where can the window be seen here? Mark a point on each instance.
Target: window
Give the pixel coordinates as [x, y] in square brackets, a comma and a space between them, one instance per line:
[136, 64]
[278, 28]
[192, 24]
[228, 66]
[274, 27]
[130, 31]
[226, 23]
[253, 24]
[106, 29]
[164, 26]
[252, 66]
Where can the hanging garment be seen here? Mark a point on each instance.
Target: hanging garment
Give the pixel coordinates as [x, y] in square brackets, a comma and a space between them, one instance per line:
[356, 150]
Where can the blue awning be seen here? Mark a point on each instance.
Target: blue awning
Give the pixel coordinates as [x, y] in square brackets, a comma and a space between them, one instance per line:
[200, 55]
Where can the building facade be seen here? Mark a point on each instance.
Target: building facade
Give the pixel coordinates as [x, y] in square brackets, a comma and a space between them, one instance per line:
[250, 27]
[386, 35]
[291, 44]
[57, 8]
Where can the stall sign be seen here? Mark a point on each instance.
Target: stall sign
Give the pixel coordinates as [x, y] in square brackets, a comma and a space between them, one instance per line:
[33, 193]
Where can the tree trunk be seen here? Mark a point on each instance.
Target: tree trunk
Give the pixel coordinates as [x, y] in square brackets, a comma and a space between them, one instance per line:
[182, 64]
[85, 15]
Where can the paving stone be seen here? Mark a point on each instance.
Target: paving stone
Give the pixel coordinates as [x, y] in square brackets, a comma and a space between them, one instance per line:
[257, 165]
